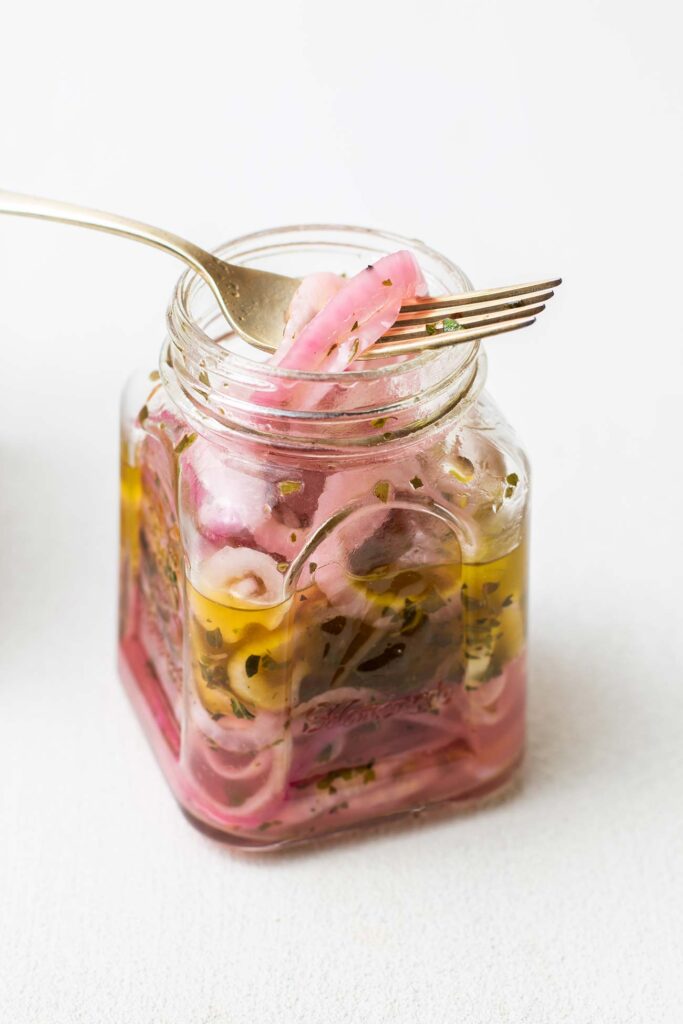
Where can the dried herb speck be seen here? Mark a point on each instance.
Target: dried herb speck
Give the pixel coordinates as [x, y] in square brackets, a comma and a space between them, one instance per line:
[214, 638]
[334, 626]
[388, 655]
[251, 665]
[185, 441]
[381, 490]
[240, 710]
[289, 487]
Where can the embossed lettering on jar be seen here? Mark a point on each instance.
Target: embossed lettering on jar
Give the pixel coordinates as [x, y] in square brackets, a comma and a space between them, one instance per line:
[322, 615]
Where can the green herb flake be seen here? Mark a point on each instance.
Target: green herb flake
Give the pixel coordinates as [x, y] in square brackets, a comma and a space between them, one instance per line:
[312, 567]
[416, 483]
[334, 626]
[413, 618]
[185, 441]
[251, 665]
[143, 414]
[387, 283]
[509, 491]
[364, 771]
[282, 567]
[389, 654]
[240, 710]
[378, 423]
[289, 487]
[214, 638]
[214, 676]
[204, 379]
[451, 325]
[512, 479]
[265, 825]
[381, 490]
[355, 327]
[431, 329]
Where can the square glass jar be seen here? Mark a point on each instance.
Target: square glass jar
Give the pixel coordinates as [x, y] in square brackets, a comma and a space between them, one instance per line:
[322, 596]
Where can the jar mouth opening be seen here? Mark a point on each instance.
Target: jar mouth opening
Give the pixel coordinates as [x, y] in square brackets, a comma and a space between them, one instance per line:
[226, 385]
[205, 327]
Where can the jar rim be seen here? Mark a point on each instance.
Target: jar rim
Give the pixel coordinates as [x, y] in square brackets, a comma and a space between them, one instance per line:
[179, 315]
[213, 382]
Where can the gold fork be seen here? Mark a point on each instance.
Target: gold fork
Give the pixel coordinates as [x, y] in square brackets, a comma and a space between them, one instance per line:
[255, 302]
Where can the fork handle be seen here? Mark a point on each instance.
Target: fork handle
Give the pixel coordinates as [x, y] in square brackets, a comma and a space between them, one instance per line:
[66, 213]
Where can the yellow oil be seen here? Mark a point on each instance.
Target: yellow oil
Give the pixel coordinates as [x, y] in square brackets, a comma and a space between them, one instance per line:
[131, 494]
[248, 657]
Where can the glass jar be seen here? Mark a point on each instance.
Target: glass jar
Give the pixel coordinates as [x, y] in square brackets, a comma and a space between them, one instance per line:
[322, 615]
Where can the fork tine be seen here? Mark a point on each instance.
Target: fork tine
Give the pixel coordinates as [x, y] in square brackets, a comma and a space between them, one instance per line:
[483, 320]
[464, 314]
[467, 298]
[397, 347]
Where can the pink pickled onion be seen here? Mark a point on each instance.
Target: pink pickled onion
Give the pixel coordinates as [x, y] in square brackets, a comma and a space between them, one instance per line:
[355, 317]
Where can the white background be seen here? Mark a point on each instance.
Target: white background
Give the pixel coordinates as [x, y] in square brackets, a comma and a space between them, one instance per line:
[522, 139]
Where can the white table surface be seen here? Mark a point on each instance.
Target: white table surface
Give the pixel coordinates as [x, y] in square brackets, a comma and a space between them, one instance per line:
[540, 138]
